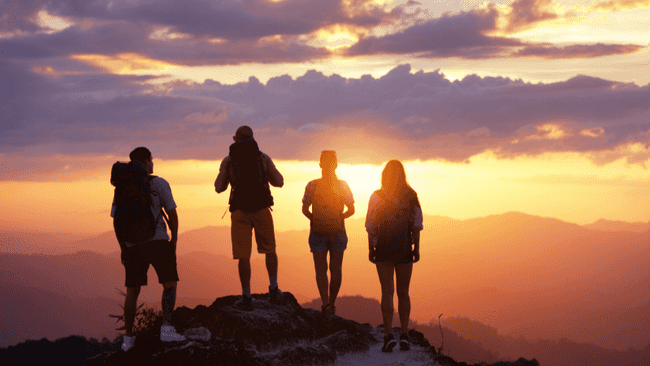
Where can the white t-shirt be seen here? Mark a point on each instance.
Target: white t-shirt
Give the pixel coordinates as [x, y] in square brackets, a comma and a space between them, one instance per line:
[161, 196]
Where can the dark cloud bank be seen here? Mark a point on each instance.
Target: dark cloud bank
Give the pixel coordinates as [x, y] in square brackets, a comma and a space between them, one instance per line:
[400, 115]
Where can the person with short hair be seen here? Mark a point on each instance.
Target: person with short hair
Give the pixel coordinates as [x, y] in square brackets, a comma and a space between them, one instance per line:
[249, 173]
[393, 223]
[328, 196]
[158, 251]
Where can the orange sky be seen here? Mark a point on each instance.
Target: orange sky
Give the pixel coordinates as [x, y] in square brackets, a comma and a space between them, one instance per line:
[567, 186]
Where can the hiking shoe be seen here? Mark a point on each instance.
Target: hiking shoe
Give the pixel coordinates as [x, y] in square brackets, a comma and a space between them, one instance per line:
[275, 295]
[127, 343]
[328, 309]
[404, 344]
[169, 334]
[245, 303]
[389, 343]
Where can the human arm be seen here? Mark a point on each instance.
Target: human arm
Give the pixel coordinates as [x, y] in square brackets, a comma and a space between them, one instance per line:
[221, 183]
[306, 212]
[350, 210]
[173, 225]
[416, 245]
[349, 200]
[371, 226]
[416, 225]
[273, 175]
[306, 200]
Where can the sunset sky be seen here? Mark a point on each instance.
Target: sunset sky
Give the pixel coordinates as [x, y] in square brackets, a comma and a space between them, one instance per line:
[537, 106]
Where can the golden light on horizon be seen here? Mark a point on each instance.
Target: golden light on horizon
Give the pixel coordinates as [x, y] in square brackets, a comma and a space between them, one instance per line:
[566, 186]
[125, 63]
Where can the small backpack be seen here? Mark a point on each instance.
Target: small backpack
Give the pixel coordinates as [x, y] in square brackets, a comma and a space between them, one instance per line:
[250, 187]
[133, 219]
[327, 206]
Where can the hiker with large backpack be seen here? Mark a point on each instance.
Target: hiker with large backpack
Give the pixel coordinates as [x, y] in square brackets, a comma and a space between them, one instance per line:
[249, 173]
[139, 206]
[393, 223]
[327, 197]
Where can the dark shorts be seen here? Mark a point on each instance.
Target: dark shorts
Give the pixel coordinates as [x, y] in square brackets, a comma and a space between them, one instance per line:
[323, 242]
[395, 256]
[161, 254]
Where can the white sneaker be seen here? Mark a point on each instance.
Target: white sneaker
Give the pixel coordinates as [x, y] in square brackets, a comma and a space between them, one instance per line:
[127, 343]
[169, 334]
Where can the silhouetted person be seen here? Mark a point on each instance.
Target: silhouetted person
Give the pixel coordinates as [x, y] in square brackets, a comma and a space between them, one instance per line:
[249, 172]
[327, 196]
[393, 223]
[158, 250]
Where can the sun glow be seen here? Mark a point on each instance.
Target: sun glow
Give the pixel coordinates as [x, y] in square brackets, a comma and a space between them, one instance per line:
[125, 63]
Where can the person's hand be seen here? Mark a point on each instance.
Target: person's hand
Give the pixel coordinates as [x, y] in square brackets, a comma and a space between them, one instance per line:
[416, 256]
[372, 255]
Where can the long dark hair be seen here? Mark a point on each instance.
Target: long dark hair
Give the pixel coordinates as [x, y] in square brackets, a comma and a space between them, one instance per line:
[393, 180]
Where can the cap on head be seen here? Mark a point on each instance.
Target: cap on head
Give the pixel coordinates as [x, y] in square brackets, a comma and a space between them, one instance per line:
[243, 133]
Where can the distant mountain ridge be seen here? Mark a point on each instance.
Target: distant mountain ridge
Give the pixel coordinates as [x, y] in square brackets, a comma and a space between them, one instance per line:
[521, 274]
[608, 225]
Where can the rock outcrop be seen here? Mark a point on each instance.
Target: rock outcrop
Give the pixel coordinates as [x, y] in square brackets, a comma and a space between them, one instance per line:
[222, 334]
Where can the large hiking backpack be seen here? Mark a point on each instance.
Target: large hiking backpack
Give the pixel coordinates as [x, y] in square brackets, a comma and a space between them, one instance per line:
[250, 186]
[133, 219]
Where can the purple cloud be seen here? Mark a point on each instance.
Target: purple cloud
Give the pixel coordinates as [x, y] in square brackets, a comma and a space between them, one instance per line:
[402, 114]
[577, 51]
[459, 35]
[526, 13]
[230, 19]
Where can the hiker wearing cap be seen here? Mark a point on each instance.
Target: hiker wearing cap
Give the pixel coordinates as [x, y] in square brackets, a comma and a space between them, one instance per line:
[393, 223]
[249, 173]
[139, 222]
[327, 197]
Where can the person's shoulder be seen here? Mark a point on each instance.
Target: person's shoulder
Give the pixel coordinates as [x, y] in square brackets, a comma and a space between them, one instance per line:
[343, 184]
[376, 195]
[266, 157]
[159, 181]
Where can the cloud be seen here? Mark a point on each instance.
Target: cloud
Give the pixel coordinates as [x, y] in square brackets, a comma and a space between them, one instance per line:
[525, 14]
[622, 4]
[577, 51]
[229, 19]
[467, 35]
[120, 38]
[400, 115]
[20, 16]
[461, 35]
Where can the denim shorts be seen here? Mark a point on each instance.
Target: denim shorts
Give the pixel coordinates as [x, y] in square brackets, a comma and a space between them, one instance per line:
[322, 242]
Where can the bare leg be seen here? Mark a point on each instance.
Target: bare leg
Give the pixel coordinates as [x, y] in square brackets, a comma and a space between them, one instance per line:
[272, 264]
[403, 274]
[168, 301]
[245, 272]
[320, 265]
[385, 271]
[336, 270]
[130, 305]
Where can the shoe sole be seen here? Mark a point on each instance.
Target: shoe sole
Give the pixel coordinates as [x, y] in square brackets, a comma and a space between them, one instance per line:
[389, 346]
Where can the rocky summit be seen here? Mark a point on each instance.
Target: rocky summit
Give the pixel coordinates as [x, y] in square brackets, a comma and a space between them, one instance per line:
[270, 334]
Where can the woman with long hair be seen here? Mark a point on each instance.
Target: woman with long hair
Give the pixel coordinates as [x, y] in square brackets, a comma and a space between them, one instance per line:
[327, 196]
[393, 223]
